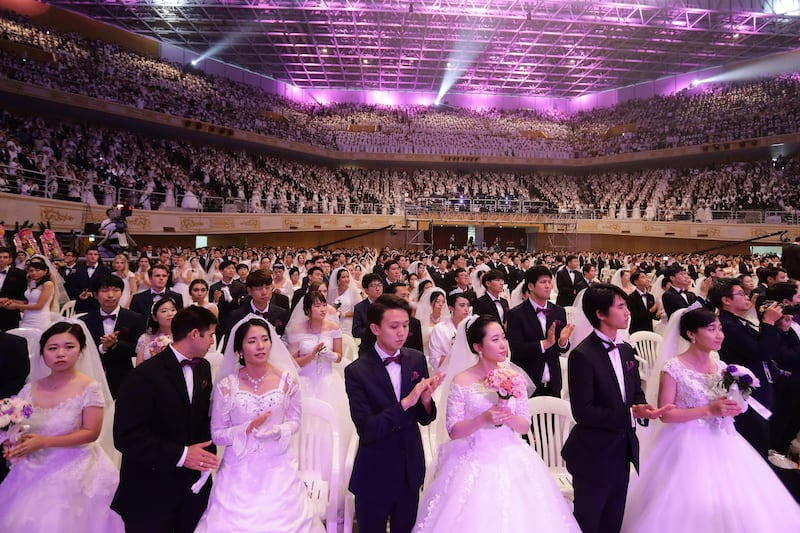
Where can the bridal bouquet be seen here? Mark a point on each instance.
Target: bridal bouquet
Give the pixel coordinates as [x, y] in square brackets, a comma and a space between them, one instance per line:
[738, 382]
[159, 343]
[12, 412]
[506, 383]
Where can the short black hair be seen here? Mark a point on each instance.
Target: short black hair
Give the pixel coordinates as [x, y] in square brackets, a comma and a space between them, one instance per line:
[533, 274]
[225, 264]
[600, 297]
[722, 288]
[492, 275]
[368, 279]
[784, 290]
[635, 275]
[191, 318]
[107, 281]
[384, 303]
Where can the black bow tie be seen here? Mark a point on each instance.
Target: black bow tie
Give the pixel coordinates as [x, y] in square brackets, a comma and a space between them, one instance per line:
[260, 313]
[611, 346]
[3, 272]
[157, 295]
[191, 362]
[108, 317]
[545, 311]
[393, 359]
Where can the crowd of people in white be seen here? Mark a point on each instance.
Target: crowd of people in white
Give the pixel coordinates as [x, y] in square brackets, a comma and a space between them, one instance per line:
[718, 113]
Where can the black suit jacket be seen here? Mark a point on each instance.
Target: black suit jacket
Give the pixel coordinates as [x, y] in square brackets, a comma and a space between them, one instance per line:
[567, 290]
[603, 427]
[413, 341]
[238, 292]
[672, 300]
[154, 421]
[142, 302]
[390, 458]
[276, 315]
[360, 324]
[790, 259]
[641, 317]
[117, 361]
[15, 364]
[13, 287]
[80, 281]
[524, 337]
[486, 306]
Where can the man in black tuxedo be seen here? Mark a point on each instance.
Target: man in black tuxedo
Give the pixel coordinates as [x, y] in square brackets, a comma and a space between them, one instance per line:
[449, 282]
[228, 292]
[491, 303]
[13, 282]
[641, 304]
[569, 282]
[259, 288]
[390, 395]
[69, 266]
[538, 332]
[115, 330]
[414, 339]
[678, 296]
[142, 302]
[606, 396]
[79, 285]
[162, 427]
[315, 273]
[15, 365]
[373, 287]
[753, 346]
[785, 422]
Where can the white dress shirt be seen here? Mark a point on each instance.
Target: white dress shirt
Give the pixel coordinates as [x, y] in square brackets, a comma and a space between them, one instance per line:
[393, 369]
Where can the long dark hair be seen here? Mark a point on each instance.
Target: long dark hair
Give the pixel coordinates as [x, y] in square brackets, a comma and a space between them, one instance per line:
[39, 264]
[152, 323]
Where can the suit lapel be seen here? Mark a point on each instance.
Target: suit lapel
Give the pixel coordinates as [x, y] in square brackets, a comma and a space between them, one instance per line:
[608, 368]
[95, 325]
[534, 319]
[174, 374]
[382, 375]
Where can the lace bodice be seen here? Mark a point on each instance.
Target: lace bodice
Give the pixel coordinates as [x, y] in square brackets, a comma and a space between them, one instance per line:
[695, 389]
[234, 408]
[65, 417]
[36, 318]
[466, 402]
[306, 342]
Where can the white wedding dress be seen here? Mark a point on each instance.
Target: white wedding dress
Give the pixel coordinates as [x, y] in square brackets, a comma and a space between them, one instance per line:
[61, 489]
[257, 487]
[491, 480]
[703, 475]
[39, 319]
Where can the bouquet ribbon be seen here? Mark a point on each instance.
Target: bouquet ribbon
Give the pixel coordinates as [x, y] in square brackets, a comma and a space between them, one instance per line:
[759, 408]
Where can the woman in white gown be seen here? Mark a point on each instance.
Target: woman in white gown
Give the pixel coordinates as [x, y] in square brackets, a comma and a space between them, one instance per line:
[431, 310]
[40, 296]
[697, 472]
[316, 345]
[255, 412]
[181, 277]
[487, 478]
[122, 271]
[61, 480]
[344, 296]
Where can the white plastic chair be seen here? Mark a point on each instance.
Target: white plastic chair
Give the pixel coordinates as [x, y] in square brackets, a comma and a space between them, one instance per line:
[318, 459]
[31, 336]
[68, 309]
[551, 423]
[349, 497]
[647, 344]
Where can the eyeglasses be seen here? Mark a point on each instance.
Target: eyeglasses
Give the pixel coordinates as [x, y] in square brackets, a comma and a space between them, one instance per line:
[374, 285]
[739, 294]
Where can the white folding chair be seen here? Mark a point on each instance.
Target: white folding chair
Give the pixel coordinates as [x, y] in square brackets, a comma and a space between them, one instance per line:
[349, 351]
[68, 309]
[318, 459]
[349, 497]
[647, 344]
[551, 423]
[31, 336]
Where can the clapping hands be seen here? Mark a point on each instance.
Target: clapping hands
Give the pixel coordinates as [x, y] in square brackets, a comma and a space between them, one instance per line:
[423, 390]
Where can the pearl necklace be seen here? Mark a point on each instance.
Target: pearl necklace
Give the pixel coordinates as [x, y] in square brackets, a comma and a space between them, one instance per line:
[254, 382]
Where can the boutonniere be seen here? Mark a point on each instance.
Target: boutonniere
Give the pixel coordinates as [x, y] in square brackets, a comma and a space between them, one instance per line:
[630, 365]
[204, 384]
[278, 323]
[414, 375]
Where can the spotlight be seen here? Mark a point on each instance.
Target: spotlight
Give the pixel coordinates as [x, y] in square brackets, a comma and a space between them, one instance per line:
[194, 62]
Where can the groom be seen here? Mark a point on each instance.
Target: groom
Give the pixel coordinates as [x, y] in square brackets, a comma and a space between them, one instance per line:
[606, 396]
[390, 395]
[162, 428]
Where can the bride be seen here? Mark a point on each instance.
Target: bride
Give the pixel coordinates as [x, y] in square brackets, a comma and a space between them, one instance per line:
[487, 478]
[61, 479]
[698, 471]
[255, 412]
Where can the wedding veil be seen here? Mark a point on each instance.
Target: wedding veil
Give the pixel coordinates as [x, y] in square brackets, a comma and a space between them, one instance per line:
[88, 363]
[279, 356]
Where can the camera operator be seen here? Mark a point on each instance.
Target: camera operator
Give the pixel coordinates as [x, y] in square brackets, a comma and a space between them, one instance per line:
[115, 226]
[785, 422]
